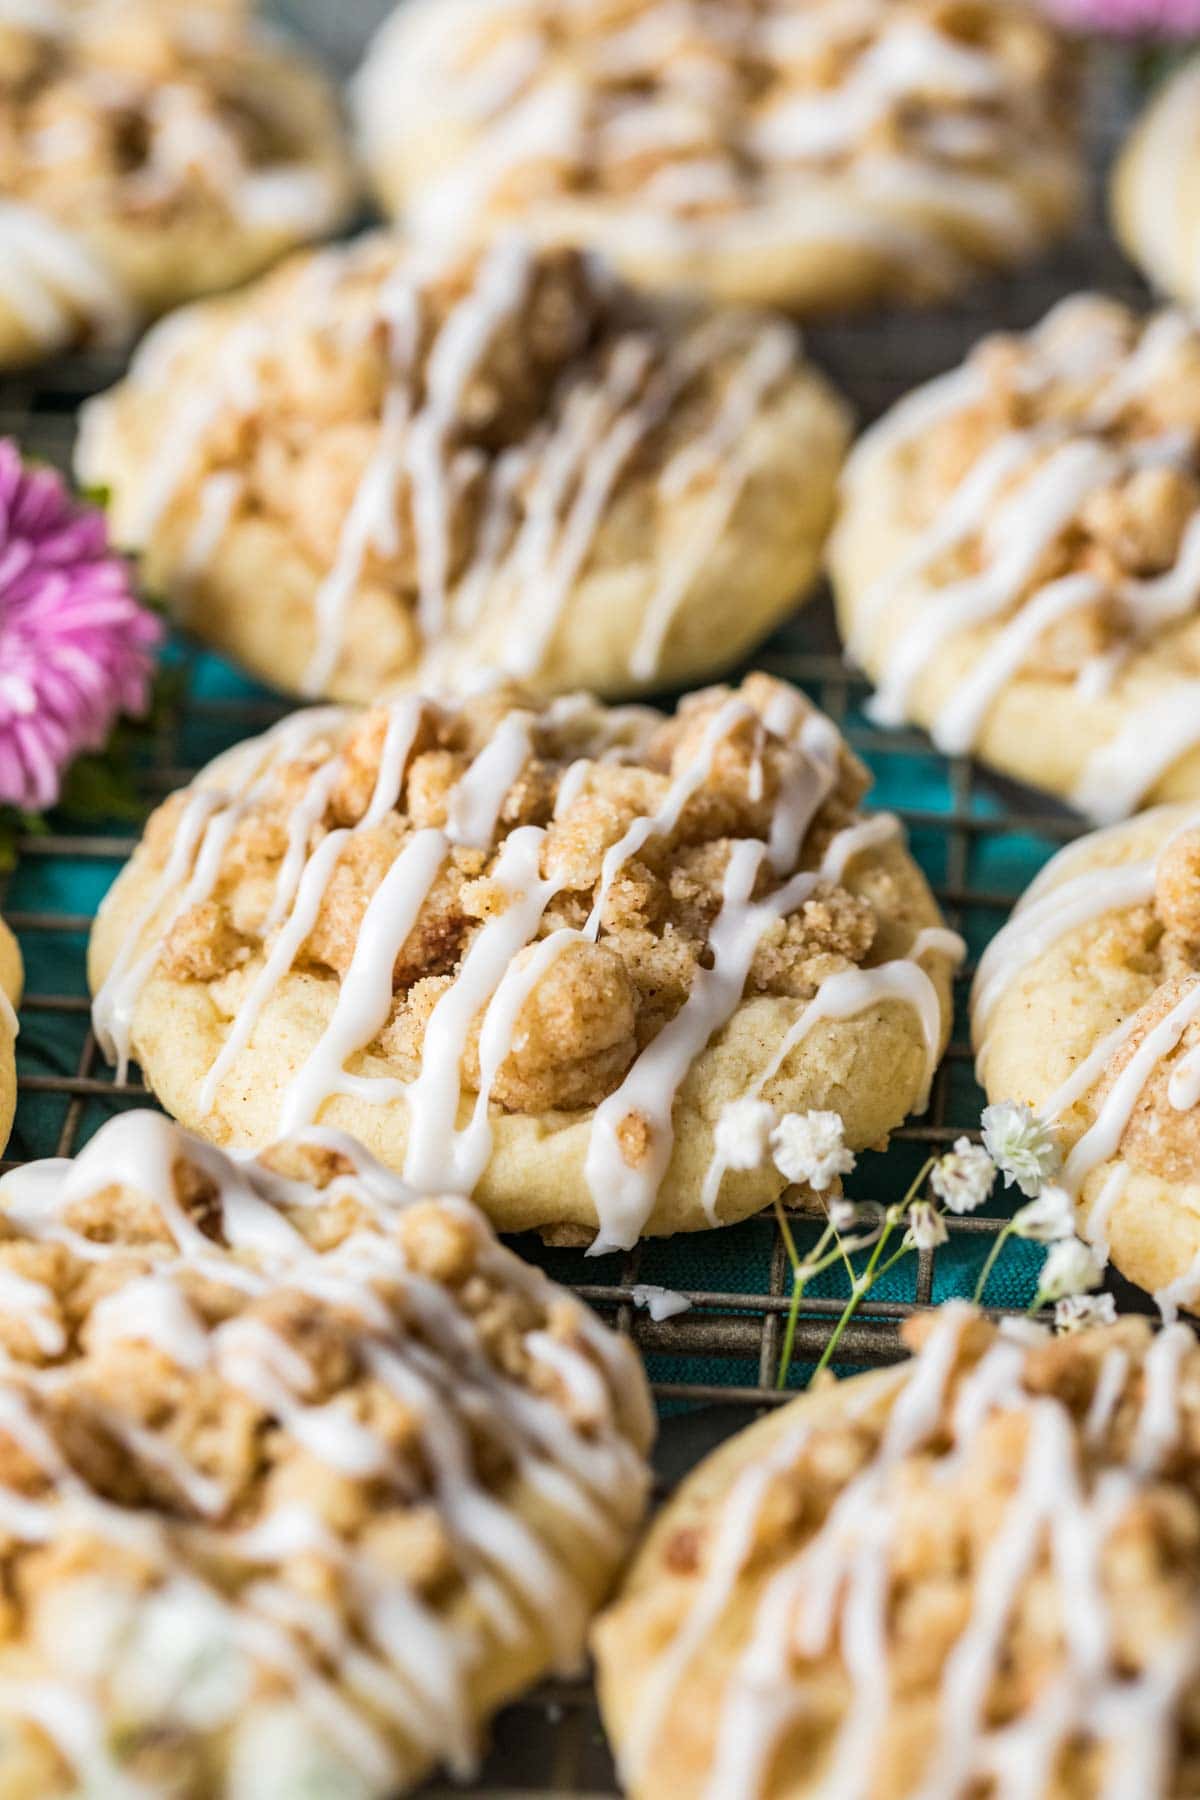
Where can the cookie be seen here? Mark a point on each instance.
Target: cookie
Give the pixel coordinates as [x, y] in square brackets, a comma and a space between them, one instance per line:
[150, 153]
[1017, 560]
[971, 1574]
[532, 954]
[805, 156]
[1156, 188]
[11, 982]
[386, 467]
[1087, 1007]
[302, 1474]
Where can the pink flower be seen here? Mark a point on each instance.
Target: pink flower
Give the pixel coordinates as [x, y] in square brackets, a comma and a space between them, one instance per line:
[1130, 18]
[76, 649]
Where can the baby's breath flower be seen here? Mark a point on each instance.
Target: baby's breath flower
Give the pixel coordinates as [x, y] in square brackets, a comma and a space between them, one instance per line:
[744, 1132]
[855, 1215]
[1048, 1219]
[1074, 1312]
[1020, 1145]
[963, 1177]
[1071, 1268]
[926, 1226]
[809, 1147]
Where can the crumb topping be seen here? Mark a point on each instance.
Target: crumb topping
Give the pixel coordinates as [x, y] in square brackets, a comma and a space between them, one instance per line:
[140, 112]
[1160, 1135]
[696, 111]
[602, 894]
[310, 1403]
[446, 433]
[1036, 1515]
[1126, 927]
[589, 778]
[1160, 1042]
[1093, 382]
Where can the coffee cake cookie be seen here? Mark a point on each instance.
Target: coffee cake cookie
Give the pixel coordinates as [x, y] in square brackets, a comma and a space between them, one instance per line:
[301, 1475]
[975, 1574]
[1017, 562]
[1087, 1006]
[1156, 188]
[385, 467]
[532, 954]
[804, 155]
[150, 152]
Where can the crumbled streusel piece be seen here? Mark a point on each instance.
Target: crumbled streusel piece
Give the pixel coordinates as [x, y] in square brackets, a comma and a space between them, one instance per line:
[261, 1422]
[596, 1005]
[1050, 388]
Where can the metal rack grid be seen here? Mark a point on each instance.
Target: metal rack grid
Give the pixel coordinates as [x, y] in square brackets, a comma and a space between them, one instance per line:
[979, 840]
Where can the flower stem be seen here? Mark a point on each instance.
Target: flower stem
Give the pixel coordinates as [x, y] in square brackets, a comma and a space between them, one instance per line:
[1002, 1238]
[785, 1232]
[789, 1335]
[860, 1287]
[802, 1274]
[897, 1256]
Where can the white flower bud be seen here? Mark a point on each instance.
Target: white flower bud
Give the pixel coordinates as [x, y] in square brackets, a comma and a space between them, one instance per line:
[1048, 1219]
[1071, 1267]
[1021, 1146]
[1076, 1312]
[963, 1177]
[809, 1147]
[926, 1226]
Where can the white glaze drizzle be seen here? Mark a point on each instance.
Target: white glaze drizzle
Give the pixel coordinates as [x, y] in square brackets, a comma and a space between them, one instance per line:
[845, 995]
[799, 168]
[853, 840]
[719, 451]
[660, 1302]
[509, 954]
[1151, 741]
[1022, 528]
[621, 1187]
[1016, 525]
[53, 282]
[905, 61]
[206, 823]
[1095, 1228]
[415, 1668]
[1100, 1142]
[545, 499]
[833, 1595]
[1047, 914]
[1058, 904]
[501, 287]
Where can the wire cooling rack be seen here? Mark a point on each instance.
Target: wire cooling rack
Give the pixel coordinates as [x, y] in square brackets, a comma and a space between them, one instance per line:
[980, 842]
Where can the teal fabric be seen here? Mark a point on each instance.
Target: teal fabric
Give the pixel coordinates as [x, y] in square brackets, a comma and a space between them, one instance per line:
[53, 895]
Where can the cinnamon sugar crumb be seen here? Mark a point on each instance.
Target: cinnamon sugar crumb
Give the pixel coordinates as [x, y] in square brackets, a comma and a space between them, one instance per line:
[599, 1002]
[635, 1137]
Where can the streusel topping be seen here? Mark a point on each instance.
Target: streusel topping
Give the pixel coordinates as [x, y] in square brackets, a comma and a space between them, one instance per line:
[317, 1420]
[553, 908]
[991, 1572]
[452, 432]
[1132, 1100]
[138, 112]
[694, 113]
[1051, 490]
[150, 150]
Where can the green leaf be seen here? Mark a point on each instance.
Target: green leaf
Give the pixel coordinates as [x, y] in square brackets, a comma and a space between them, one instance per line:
[14, 825]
